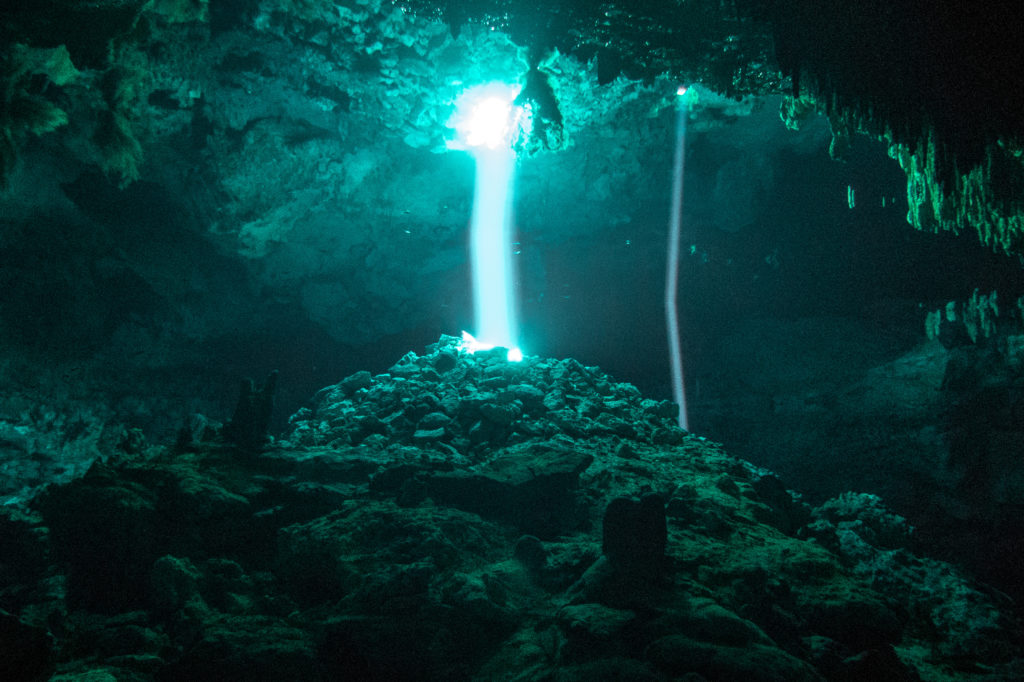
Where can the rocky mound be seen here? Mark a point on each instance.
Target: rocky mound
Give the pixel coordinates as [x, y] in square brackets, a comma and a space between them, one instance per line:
[462, 517]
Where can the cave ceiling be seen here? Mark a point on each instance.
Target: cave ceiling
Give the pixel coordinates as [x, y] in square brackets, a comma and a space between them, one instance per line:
[308, 139]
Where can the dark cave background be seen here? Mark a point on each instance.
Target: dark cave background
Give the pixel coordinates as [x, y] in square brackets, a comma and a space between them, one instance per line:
[252, 190]
[828, 260]
[238, 441]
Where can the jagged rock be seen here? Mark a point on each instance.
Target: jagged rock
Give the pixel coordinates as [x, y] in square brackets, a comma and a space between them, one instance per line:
[635, 535]
[522, 555]
[530, 551]
[881, 664]
[866, 516]
[858, 621]
[445, 361]
[784, 510]
[122, 640]
[594, 627]
[679, 655]
[611, 668]
[534, 487]
[174, 583]
[23, 544]
[706, 620]
[99, 521]
[247, 648]
[355, 382]
[26, 651]
[250, 422]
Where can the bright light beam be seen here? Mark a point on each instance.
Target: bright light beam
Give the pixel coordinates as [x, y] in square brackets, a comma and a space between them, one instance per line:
[486, 122]
[491, 248]
[672, 269]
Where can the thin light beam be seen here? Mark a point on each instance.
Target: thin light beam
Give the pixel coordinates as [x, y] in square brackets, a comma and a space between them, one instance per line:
[675, 350]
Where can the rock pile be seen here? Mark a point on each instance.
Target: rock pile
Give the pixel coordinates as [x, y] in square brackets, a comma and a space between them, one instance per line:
[464, 518]
[455, 402]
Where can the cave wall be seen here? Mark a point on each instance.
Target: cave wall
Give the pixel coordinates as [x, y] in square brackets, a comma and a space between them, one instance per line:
[195, 192]
[940, 83]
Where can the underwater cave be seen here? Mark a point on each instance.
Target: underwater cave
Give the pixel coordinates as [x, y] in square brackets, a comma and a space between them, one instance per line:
[511, 340]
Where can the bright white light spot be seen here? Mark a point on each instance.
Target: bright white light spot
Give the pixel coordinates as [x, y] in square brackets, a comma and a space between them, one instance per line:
[681, 90]
[488, 123]
[485, 117]
[471, 345]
